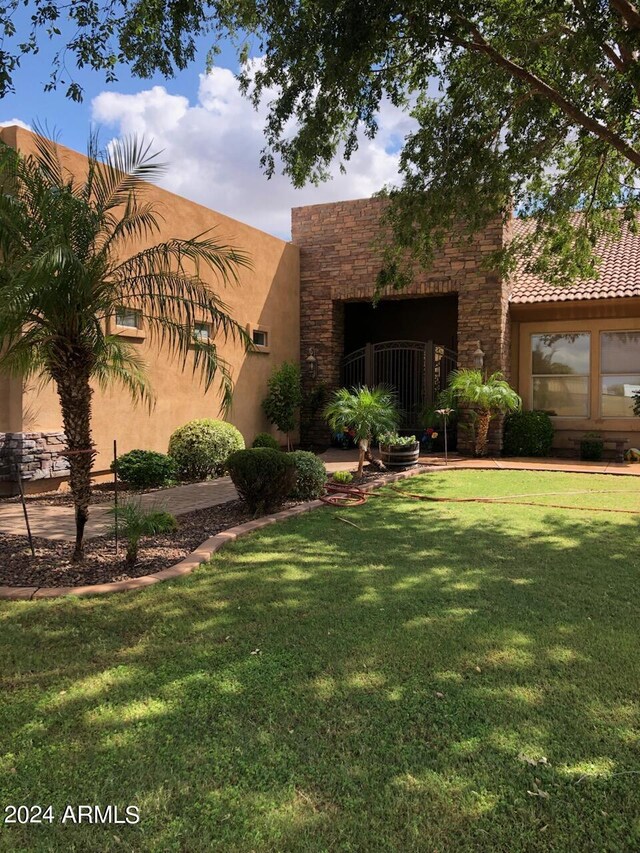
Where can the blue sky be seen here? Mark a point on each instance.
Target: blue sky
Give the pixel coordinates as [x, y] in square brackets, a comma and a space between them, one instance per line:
[210, 136]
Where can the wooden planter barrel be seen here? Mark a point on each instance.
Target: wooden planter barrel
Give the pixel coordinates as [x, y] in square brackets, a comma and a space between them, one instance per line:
[400, 457]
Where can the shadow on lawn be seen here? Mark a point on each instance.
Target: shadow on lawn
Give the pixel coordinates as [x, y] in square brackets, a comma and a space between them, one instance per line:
[325, 687]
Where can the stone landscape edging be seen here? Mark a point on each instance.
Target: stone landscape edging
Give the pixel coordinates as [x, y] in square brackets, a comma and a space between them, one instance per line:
[211, 546]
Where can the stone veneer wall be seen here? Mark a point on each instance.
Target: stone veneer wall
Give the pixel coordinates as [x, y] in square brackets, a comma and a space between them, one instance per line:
[338, 263]
[38, 455]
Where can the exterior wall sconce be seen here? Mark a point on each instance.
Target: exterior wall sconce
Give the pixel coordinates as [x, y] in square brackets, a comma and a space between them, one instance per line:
[311, 363]
[478, 357]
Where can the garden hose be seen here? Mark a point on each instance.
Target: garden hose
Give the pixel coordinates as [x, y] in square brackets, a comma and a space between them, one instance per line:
[339, 495]
[505, 499]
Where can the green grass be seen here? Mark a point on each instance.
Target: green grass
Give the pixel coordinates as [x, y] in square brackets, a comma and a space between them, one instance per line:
[286, 696]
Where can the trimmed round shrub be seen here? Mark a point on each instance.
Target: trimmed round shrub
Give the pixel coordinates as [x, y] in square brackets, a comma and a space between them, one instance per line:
[263, 477]
[145, 469]
[527, 434]
[201, 448]
[263, 439]
[311, 476]
[342, 477]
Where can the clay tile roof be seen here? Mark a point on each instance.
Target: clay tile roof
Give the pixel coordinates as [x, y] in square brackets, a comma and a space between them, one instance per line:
[619, 273]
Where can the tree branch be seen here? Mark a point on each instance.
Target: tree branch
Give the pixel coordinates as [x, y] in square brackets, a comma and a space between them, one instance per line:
[480, 45]
[628, 12]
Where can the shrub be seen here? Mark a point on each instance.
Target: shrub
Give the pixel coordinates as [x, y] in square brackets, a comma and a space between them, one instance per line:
[263, 439]
[343, 477]
[134, 522]
[392, 439]
[145, 469]
[263, 477]
[284, 397]
[527, 434]
[311, 476]
[591, 447]
[201, 448]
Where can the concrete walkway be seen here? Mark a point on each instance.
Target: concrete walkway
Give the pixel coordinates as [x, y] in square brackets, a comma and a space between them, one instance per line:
[57, 522]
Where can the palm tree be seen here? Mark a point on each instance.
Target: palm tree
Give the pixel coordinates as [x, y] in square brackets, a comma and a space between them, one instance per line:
[66, 269]
[488, 396]
[365, 412]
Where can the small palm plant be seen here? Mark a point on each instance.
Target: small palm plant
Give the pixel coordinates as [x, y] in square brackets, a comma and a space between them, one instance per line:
[68, 267]
[365, 412]
[489, 396]
[133, 522]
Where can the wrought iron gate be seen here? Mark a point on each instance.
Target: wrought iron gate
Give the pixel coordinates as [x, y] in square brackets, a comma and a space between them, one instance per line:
[415, 370]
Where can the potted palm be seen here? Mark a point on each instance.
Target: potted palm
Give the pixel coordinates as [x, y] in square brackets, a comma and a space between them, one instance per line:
[365, 413]
[399, 451]
[487, 397]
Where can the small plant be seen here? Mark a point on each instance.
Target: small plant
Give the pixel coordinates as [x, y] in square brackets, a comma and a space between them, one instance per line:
[392, 439]
[134, 522]
[263, 439]
[145, 469]
[284, 398]
[311, 476]
[488, 396]
[363, 412]
[201, 447]
[263, 477]
[527, 434]
[342, 477]
[591, 447]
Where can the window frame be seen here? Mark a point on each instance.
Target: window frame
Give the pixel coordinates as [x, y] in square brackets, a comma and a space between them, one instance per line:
[601, 414]
[207, 327]
[588, 376]
[123, 310]
[259, 349]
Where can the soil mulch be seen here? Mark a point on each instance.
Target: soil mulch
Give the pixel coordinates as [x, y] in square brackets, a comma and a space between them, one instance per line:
[52, 564]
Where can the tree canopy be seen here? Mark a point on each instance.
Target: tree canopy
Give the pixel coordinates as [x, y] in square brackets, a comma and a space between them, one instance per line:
[532, 104]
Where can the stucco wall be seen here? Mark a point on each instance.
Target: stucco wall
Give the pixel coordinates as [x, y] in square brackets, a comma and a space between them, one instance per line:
[338, 263]
[267, 295]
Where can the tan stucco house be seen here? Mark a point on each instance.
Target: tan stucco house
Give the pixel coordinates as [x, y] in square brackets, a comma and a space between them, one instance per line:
[574, 352]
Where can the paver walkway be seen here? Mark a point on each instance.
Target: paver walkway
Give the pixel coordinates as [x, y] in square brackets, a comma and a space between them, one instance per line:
[347, 460]
[57, 522]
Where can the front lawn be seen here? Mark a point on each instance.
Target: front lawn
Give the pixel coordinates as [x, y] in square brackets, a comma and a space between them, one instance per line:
[442, 677]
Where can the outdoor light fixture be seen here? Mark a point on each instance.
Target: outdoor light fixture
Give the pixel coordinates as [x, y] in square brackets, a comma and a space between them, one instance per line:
[312, 364]
[478, 357]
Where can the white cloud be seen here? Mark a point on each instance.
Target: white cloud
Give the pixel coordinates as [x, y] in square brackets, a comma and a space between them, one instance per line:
[17, 121]
[213, 149]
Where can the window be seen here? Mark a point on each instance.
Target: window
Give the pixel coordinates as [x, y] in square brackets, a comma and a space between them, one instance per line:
[560, 373]
[201, 332]
[260, 338]
[619, 373]
[127, 318]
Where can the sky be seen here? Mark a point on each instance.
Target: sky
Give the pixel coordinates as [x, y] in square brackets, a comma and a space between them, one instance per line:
[211, 137]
